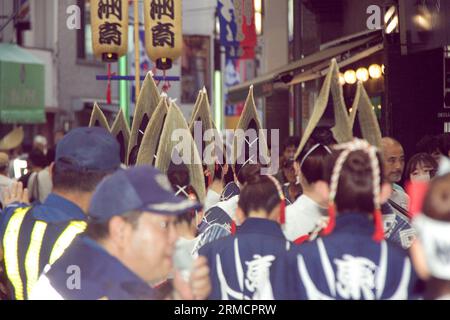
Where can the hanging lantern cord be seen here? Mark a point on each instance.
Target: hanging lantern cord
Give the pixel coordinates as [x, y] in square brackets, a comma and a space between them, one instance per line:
[155, 73]
[166, 86]
[108, 88]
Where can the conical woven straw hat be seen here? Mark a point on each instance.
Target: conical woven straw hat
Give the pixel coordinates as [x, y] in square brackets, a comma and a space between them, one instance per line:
[202, 113]
[342, 131]
[147, 102]
[121, 131]
[152, 135]
[98, 118]
[167, 147]
[370, 128]
[12, 140]
[196, 106]
[249, 115]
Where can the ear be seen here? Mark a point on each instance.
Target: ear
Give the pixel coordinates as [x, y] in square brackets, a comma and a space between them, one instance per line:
[419, 260]
[118, 231]
[240, 216]
[386, 191]
[322, 188]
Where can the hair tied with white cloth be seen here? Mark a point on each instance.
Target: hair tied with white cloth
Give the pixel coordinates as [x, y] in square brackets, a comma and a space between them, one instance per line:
[312, 150]
[181, 189]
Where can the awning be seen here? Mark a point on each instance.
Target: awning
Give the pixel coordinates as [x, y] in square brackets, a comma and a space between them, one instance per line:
[22, 86]
[346, 51]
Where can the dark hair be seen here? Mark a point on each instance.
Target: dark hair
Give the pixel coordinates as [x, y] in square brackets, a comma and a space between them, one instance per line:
[291, 141]
[259, 192]
[189, 215]
[313, 164]
[436, 204]
[64, 178]
[246, 171]
[37, 158]
[355, 185]
[178, 174]
[100, 230]
[423, 158]
[428, 144]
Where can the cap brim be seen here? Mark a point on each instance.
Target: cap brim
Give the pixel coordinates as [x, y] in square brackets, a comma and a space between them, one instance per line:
[172, 205]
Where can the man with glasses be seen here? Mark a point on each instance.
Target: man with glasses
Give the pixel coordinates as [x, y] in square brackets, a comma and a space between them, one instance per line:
[128, 246]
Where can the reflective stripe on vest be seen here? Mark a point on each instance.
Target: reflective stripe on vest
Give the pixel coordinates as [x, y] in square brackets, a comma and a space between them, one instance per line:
[33, 254]
[66, 238]
[11, 253]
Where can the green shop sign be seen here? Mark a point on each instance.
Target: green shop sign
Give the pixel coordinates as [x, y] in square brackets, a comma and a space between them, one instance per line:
[22, 86]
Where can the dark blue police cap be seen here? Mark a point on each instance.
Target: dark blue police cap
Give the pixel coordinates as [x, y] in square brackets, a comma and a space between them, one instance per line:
[141, 188]
[88, 149]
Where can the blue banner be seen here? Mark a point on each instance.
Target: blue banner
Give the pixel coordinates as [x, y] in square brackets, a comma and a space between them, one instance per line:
[228, 29]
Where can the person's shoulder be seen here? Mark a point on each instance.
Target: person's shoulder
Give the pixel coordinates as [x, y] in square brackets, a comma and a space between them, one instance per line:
[215, 246]
[8, 212]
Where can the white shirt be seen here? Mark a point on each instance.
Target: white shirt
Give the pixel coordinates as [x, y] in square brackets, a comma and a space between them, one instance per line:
[230, 207]
[302, 217]
[212, 198]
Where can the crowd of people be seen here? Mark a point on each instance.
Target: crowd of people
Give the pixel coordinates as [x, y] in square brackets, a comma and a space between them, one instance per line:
[342, 219]
[335, 223]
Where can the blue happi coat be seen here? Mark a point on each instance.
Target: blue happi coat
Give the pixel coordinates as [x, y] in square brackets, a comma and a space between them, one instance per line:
[397, 227]
[239, 264]
[346, 265]
[222, 212]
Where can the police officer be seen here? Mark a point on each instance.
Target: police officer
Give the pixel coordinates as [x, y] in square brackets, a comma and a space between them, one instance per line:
[34, 236]
[128, 245]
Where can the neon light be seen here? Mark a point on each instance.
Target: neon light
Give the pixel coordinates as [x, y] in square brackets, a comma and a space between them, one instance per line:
[123, 85]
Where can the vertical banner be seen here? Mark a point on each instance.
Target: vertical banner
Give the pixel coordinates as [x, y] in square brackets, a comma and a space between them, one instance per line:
[228, 28]
[237, 28]
[248, 30]
[163, 31]
[109, 20]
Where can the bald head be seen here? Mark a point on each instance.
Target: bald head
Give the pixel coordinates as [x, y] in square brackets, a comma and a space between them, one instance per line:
[394, 159]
